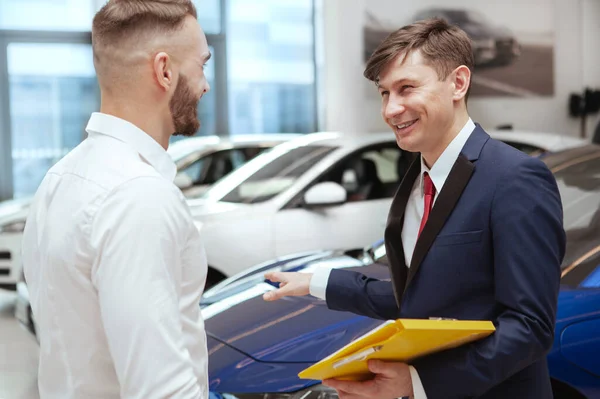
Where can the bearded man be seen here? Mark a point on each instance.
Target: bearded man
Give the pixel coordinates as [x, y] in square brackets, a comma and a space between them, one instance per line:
[114, 263]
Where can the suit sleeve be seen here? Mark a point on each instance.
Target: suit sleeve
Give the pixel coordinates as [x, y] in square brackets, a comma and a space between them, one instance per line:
[354, 292]
[529, 244]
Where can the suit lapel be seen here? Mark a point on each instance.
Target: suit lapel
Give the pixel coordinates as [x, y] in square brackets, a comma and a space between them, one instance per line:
[393, 231]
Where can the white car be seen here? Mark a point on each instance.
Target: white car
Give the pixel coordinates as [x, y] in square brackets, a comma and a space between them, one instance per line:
[537, 143]
[320, 191]
[200, 162]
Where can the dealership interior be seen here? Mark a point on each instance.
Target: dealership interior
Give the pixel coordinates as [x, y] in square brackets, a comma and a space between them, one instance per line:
[294, 169]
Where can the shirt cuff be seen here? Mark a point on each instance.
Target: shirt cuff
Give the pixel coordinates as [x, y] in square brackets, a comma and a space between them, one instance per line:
[418, 390]
[318, 282]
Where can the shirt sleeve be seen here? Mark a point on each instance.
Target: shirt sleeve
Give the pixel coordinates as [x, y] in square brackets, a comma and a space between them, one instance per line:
[418, 390]
[318, 282]
[137, 234]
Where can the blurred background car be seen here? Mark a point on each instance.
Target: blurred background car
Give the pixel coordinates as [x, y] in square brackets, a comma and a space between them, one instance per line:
[273, 341]
[537, 144]
[323, 190]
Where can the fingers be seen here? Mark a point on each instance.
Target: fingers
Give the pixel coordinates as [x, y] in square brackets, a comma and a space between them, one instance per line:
[274, 295]
[291, 284]
[385, 369]
[276, 277]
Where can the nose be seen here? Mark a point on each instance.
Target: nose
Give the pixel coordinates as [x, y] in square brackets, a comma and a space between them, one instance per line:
[392, 108]
[206, 88]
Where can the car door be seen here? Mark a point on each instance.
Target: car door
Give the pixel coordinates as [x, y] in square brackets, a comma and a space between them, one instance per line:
[370, 177]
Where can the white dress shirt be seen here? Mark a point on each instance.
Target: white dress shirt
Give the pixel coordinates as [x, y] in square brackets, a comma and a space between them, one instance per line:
[412, 220]
[115, 269]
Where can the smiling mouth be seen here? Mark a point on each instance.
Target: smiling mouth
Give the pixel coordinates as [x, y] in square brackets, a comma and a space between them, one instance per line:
[406, 124]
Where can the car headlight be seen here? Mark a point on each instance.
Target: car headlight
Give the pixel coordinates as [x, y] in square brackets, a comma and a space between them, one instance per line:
[13, 227]
[314, 392]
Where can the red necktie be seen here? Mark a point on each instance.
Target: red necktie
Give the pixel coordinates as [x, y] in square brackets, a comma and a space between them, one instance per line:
[429, 191]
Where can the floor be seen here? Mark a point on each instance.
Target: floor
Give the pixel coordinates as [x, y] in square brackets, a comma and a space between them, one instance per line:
[18, 354]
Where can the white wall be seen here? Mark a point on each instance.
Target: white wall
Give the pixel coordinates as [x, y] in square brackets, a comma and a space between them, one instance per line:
[577, 64]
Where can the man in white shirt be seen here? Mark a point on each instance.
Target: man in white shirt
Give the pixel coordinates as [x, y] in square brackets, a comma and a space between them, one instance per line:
[112, 257]
[474, 232]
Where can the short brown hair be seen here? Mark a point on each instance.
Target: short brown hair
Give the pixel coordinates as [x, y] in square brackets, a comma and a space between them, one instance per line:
[119, 18]
[444, 46]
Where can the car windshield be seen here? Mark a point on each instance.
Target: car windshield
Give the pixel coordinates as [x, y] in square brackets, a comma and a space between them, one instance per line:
[267, 175]
[579, 185]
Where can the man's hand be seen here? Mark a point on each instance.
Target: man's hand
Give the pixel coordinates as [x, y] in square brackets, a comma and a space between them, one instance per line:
[290, 284]
[392, 380]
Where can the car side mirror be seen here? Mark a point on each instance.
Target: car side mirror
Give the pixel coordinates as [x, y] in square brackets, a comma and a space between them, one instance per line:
[183, 181]
[325, 194]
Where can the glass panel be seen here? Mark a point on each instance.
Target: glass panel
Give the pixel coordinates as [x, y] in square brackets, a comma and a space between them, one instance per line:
[277, 176]
[268, 174]
[65, 15]
[209, 15]
[50, 104]
[368, 175]
[270, 52]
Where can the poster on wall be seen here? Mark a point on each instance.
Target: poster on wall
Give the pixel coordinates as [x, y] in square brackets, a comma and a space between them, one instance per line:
[513, 44]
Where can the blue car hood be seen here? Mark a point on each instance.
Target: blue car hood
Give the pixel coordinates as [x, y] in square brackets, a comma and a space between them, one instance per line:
[290, 330]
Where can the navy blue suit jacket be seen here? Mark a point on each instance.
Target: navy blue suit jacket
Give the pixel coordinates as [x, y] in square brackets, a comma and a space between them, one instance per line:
[491, 250]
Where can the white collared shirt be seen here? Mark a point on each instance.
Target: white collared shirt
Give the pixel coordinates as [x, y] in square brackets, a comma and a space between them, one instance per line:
[412, 220]
[439, 173]
[115, 269]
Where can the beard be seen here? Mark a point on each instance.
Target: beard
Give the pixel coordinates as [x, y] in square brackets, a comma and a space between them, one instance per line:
[184, 109]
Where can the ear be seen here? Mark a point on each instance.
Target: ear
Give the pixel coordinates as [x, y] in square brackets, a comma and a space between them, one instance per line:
[163, 72]
[461, 81]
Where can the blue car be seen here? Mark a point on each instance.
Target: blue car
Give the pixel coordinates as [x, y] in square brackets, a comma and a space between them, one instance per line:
[257, 348]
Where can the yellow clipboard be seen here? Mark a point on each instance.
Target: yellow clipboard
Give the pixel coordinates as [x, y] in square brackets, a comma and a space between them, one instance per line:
[397, 340]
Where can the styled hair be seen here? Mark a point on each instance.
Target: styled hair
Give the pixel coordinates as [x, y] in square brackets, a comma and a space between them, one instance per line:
[118, 19]
[444, 47]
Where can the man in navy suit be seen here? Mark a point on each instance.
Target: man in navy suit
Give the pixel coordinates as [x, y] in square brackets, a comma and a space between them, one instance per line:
[474, 233]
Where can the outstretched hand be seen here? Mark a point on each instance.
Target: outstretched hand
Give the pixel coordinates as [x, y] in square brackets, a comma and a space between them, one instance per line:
[290, 284]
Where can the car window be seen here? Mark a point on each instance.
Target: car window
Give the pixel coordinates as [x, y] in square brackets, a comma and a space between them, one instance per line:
[276, 176]
[370, 174]
[579, 185]
[195, 170]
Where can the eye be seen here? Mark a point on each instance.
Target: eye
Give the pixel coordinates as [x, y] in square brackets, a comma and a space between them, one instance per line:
[405, 87]
[384, 93]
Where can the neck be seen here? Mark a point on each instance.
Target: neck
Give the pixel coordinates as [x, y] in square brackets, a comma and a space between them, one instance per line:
[144, 117]
[460, 120]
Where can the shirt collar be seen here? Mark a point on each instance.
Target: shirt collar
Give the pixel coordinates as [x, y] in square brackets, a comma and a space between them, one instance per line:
[148, 148]
[442, 167]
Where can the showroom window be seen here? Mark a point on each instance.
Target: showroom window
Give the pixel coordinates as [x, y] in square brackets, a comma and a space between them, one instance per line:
[271, 66]
[261, 74]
